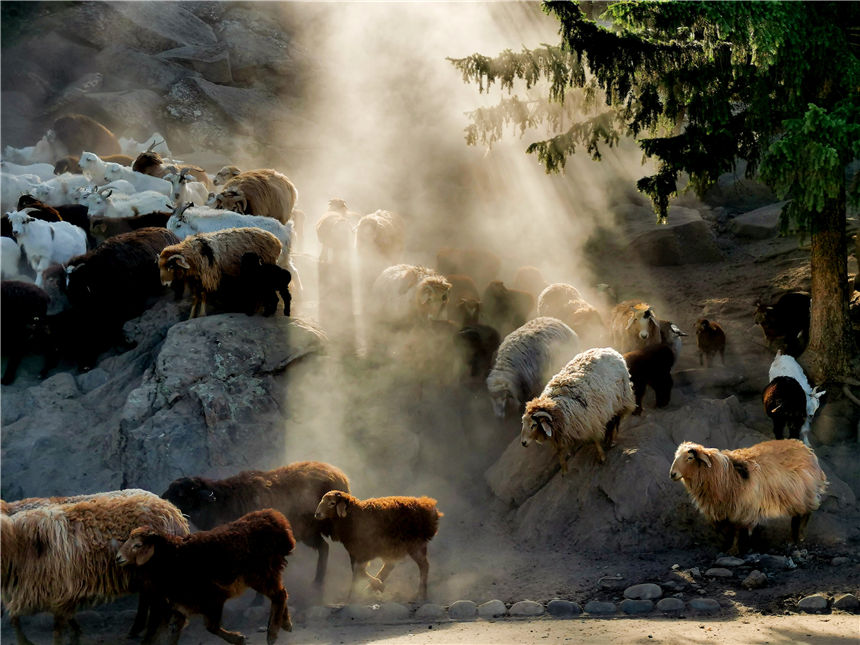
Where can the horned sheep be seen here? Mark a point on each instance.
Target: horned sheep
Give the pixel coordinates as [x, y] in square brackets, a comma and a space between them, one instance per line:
[294, 490]
[202, 259]
[389, 528]
[584, 402]
[634, 325]
[264, 192]
[784, 365]
[197, 574]
[46, 243]
[743, 487]
[58, 556]
[526, 359]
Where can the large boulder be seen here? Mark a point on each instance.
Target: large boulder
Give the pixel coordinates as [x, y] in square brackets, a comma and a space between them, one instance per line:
[758, 224]
[685, 238]
[212, 61]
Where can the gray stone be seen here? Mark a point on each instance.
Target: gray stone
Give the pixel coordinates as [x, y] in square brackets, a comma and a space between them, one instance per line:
[319, 613]
[729, 561]
[127, 68]
[95, 378]
[562, 608]
[90, 620]
[758, 224]
[775, 562]
[492, 609]
[646, 591]
[158, 27]
[138, 106]
[392, 612]
[256, 614]
[600, 608]
[430, 611]
[755, 580]
[704, 605]
[839, 561]
[737, 193]
[356, 612]
[462, 610]
[814, 603]
[846, 602]
[685, 239]
[630, 606]
[212, 61]
[718, 572]
[520, 472]
[258, 45]
[695, 572]
[612, 583]
[526, 608]
[670, 605]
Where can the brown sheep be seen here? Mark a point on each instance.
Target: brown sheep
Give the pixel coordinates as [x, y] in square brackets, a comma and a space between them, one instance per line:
[202, 259]
[73, 133]
[70, 163]
[197, 574]
[710, 340]
[383, 527]
[506, 309]
[379, 240]
[563, 301]
[742, 487]
[634, 326]
[151, 163]
[529, 279]
[463, 288]
[334, 232]
[294, 490]
[262, 192]
[225, 174]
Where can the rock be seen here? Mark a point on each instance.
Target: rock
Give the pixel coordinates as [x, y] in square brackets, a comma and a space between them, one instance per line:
[492, 609]
[462, 610]
[90, 620]
[60, 386]
[779, 562]
[356, 612]
[613, 583]
[258, 45]
[430, 611]
[114, 109]
[758, 224]
[319, 613]
[212, 61]
[755, 580]
[256, 614]
[559, 608]
[526, 608]
[695, 572]
[630, 606]
[846, 602]
[392, 612]
[685, 239]
[812, 604]
[839, 561]
[520, 472]
[729, 561]
[646, 591]
[127, 69]
[718, 572]
[600, 608]
[670, 605]
[704, 605]
[158, 27]
[737, 193]
[95, 378]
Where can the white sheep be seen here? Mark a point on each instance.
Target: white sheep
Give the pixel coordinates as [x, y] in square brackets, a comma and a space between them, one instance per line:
[584, 402]
[10, 256]
[47, 243]
[13, 186]
[92, 166]
[60, 190]
[526, 359]
[44, 171]
[185, 189]
[404, 294]
[141, 182]
[190, 220]
[785, 365]
[106, 204]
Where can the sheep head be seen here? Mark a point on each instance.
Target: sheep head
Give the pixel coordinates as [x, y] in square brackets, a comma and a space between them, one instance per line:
[689, 457]
[432, 297]
[642, 315]
[500, 395]
[189, 494]
[333, 503]
[538, 421]
[225, 174]
[171, 267]
[139, 548]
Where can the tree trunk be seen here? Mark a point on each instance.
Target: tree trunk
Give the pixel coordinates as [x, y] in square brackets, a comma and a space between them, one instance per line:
[831, 337]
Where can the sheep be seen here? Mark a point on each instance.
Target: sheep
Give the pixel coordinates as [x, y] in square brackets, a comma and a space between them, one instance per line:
[13, 186]
[478, 345]
[261, 283]
[334, 231]
[710, 341]
[530, 280]
[186, 190]
[73, 133]
[652, 366]
[671, 334]
[383, 527]
[294, 490]
[202, 259]
[105, 227]
[743, 487]
[198, 573]
[189, 220]
[46, 243]
[786, 323]
[379, 239]
[526, 359]
[634, 326]
[72, 164]
[584, 402]
[94, 167]
[785, 404]
[468, 309]
[406, 294]
[263, 192]
[60, 190]
[25, 307]
[44, 171]
[564, 301]
[225, 174]
[151, 163]
[106, 204]
[10, 258]
[482, 265]
[141, 182]
[786, 365]
[506, 309]
[58, 556]
[463, 288]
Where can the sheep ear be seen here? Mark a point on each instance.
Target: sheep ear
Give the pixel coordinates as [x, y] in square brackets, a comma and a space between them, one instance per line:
[700, 456]
[629, 323]
[547, 429]
[424, 297]
[181, 261]
[677, 330]
[145, 554]
[341, 509]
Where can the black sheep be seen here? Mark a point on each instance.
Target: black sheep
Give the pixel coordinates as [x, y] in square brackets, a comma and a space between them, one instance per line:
[785, 403]
[24, 308]
[72, 213]
[786, 323]
[651, 365]
[261, 284]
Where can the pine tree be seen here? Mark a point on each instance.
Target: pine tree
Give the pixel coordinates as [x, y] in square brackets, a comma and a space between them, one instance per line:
[700, 85]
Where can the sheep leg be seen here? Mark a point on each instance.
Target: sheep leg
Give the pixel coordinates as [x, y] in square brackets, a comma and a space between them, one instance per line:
[778, 427]
[178, 621]
[276, 614]
[139, 623]
[378, 582]
[212, 621]
[611, 431]
[358, 569]
[322, 563]
[159, 612]
[19, 633]
[419, 554]
[798, 527]
[701, 362]
[601, 456]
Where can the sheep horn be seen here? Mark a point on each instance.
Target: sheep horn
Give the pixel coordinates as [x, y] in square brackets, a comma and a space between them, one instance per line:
[108, 193]
[185, 207]
[153, 145]
[542, 414]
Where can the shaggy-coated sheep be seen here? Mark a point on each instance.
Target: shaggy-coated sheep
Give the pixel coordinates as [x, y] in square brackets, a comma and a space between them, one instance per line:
[24, 308]
[563, 301]
[405, 294]
[294, 490]
[152, 163]
[742, 487]
[262, 283]
[584, 402]
[786, 323]
[201, 260]
[478, 345]
[710, 341]
[482, 265]
[506, 309]
[73, 133]
[103, 228]
[383, 527]
[59, 556]
[379, 239]
[463, 288]
[526, 359]
[197, 574]
[225, 174]
[634, 326]
[785, 365]
[334, 233]
[263, 192]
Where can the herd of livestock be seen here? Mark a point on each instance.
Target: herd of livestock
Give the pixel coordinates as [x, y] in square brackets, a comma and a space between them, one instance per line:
[93, 234]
